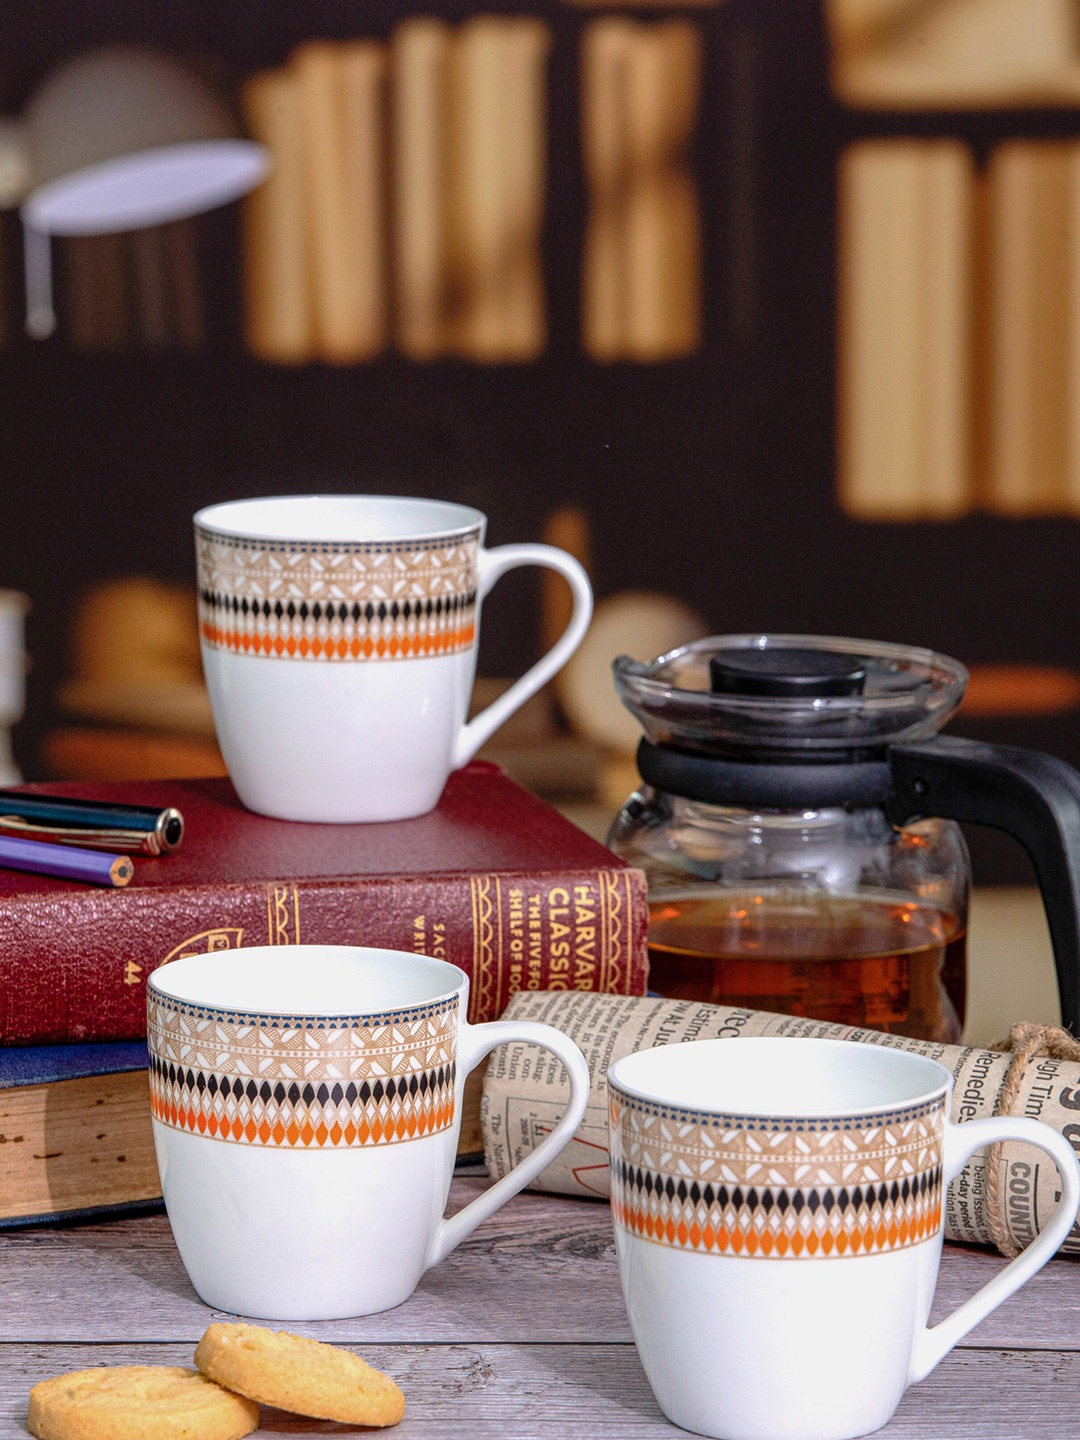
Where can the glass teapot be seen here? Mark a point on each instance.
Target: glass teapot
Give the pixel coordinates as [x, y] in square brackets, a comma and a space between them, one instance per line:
[797, 828]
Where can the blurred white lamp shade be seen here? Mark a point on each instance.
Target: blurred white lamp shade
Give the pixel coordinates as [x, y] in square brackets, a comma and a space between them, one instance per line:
[117, 139]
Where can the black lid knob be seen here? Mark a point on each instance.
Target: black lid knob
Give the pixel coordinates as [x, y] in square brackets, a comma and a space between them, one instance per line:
[796, 674]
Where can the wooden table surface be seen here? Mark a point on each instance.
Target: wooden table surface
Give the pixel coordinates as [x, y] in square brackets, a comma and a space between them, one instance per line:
[521, 1333]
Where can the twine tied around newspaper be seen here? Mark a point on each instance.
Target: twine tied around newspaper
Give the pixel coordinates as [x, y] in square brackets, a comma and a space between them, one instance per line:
[1026, 1042]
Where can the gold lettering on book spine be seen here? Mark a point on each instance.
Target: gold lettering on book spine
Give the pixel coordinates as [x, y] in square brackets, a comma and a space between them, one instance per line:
[617, 917]
[282, 914]
[485, 976]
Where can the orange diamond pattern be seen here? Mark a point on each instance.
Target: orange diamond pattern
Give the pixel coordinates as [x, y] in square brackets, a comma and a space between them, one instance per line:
[302, 1115]
[776, 1223]
[777, 1187]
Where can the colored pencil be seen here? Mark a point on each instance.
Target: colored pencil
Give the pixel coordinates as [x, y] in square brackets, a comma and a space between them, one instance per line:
[64, 861]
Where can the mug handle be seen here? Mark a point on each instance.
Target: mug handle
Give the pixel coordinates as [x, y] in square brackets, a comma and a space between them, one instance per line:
[492, 564]
[474, 1042]
[961, 1142]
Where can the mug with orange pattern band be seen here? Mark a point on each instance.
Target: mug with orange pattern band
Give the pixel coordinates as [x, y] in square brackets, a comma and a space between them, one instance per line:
[779, 1213]
[339, 637]
[306, 1106]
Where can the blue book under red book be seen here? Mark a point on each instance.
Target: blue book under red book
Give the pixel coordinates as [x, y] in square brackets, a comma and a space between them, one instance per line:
[75, 1137]
[46, 1064]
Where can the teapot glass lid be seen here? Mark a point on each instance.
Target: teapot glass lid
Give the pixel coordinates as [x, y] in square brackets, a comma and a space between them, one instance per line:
[803, 696]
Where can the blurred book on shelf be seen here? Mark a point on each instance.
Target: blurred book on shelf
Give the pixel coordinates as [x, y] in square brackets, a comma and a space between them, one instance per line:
[958, 350]
[99, 752]
[904, 329]
[497, 161]
[419, 119]
[140, 290]
[1032, 402]
[406, 198]
[136, 705]
[954, 54]
[641, 273]
[96, 306]
[278, 301]
[135, 656]
[1017, 691]
[341, 113]
[169, 308]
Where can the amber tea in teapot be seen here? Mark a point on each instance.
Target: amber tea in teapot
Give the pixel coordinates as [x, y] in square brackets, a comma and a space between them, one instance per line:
[890, 965]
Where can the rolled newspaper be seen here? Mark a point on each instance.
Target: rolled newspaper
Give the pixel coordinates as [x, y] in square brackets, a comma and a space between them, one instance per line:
[1002, 1198]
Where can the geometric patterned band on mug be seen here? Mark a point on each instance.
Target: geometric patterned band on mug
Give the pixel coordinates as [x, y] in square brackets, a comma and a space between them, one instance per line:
[303, 1082]
[776, 1188]
[370, 601]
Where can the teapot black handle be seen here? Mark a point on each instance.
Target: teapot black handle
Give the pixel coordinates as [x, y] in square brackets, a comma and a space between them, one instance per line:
[1033, 797]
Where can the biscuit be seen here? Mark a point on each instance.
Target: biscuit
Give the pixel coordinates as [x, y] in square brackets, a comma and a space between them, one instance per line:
[304, 1376]
[138, 1402]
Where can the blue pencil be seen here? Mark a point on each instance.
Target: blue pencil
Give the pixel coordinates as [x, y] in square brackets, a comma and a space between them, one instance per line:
[65, 861]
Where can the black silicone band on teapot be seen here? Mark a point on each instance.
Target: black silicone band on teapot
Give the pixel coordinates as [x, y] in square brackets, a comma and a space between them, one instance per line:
[715, 780]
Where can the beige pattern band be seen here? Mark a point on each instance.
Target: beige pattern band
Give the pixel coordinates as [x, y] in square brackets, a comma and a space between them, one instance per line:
[379, 600]
[776, 1188]
[303, 1081]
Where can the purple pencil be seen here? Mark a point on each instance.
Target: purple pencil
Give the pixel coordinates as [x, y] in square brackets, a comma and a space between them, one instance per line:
[65, 861]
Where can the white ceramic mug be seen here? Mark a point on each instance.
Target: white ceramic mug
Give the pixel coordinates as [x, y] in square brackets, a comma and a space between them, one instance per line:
[339, 637]
[306, 1104]
[779, 1209]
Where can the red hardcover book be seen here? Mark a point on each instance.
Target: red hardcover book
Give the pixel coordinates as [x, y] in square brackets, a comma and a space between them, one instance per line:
[493, 880]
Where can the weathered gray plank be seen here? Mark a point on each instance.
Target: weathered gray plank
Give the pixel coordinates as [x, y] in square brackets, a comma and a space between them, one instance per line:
[1043, 1315]
[543, 1269]
[993, 1395]
[598, 1392]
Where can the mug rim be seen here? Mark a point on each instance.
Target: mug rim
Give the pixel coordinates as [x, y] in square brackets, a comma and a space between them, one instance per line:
[214, 519]
[929, 1094]
[213, 960]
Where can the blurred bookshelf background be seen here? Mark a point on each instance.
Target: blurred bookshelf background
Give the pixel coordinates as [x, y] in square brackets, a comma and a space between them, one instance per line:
[768, 312]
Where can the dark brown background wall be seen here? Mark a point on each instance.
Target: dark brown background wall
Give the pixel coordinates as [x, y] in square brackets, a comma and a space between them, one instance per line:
[710, 478]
